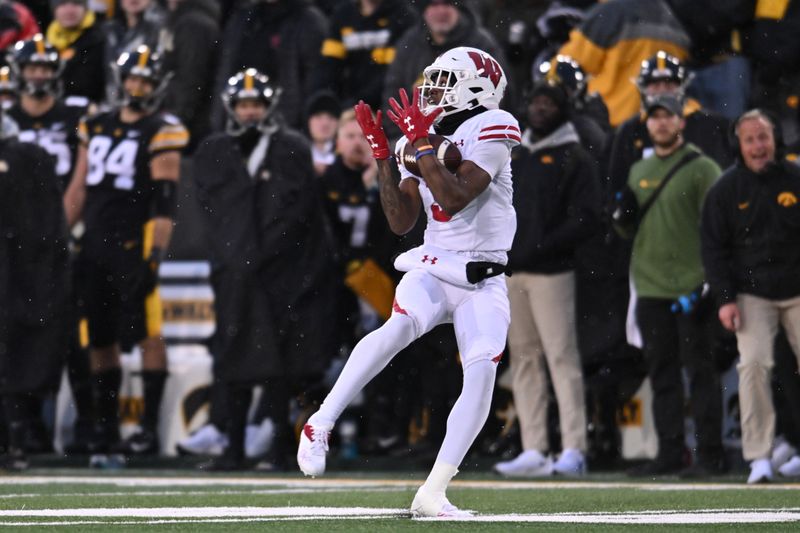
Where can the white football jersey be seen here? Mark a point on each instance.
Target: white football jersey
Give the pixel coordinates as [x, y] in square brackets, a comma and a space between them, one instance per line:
[488, 223]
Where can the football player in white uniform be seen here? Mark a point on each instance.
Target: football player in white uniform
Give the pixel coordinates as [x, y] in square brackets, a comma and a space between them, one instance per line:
[453, 276]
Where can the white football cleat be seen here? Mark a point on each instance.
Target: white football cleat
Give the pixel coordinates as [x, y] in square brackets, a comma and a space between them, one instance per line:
[312, 450]
[428, 504]
[791, 468]
[760, 471]
[571, 462]
[781, 453]
[530, 463]
[258, 438]
[205, 441]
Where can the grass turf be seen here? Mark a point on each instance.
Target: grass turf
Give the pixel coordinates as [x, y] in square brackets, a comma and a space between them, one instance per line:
[487, 496]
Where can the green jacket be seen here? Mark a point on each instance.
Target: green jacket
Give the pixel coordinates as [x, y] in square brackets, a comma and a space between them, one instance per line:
[666, 260]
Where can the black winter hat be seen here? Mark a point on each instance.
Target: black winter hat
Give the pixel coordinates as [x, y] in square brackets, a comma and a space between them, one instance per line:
[556, 91]
[323, 101]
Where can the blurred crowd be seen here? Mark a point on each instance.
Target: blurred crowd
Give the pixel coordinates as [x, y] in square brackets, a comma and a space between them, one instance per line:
[301, 254]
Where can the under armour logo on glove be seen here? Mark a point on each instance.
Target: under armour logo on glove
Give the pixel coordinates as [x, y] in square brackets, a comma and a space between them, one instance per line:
[426, 258]
[409, 117]
[372, 130]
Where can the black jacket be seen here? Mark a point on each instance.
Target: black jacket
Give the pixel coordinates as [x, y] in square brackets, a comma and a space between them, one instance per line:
[189, 45]
[270, 259]
[359, 50]
[282, 40]
[34, 280]
[84, 71]
[707, 131]
[751, 233]
[556, 198]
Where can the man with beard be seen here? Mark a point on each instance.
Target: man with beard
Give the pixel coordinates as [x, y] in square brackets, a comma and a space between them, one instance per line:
[669, 188]
[556, 198]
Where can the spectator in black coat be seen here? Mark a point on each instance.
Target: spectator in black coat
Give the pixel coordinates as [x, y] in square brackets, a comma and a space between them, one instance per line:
[34, 288]
[271, 269]
[282, 39]
[80, 41]
[188, 45]
[557, 203]
[360, 47]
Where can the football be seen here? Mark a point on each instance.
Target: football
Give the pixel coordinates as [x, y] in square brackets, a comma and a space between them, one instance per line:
[447, 153]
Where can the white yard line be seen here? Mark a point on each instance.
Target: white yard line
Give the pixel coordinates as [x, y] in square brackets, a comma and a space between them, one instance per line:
[163, 515]
[210, 492]
[328, 483]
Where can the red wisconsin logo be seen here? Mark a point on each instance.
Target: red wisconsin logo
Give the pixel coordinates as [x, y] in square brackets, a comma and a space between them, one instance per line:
[487, 67]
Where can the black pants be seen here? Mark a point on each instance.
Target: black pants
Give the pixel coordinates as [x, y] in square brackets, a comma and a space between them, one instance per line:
[672, 341]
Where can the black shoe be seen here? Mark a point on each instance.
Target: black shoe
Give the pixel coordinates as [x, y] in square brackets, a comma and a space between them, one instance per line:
[81, 439]
[223, 463]
[143, 442]
[659, 466]
[102, 440]
[705, 469]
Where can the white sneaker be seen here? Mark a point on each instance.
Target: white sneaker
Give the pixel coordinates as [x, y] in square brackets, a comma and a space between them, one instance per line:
[571, 462]
[312, 449]
[791, 468]
[205, 441]
[258, 438]
[760, 471]
[530, 463]
[781, 453]
[428, 504]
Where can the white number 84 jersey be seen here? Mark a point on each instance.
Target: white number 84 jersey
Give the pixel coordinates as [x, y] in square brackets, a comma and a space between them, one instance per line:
[488, 223]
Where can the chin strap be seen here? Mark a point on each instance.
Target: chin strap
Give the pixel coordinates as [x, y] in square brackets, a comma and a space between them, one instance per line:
[449, 124]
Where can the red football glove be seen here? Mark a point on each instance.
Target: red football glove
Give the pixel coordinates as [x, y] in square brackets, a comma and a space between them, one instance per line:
[410, 119]
[372, 130]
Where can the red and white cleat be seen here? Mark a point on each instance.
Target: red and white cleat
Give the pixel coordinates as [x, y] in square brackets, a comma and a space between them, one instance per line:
[435, 505]
[312, 450]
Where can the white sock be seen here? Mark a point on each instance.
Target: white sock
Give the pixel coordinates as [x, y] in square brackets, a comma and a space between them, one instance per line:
[370, 356]
[440, 477]
[469, 412]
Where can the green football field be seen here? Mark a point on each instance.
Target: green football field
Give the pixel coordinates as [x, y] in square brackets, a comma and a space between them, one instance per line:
[142, 500]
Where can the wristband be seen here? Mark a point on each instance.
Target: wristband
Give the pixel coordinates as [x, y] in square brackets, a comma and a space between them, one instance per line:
[421, 153]
[426, 147]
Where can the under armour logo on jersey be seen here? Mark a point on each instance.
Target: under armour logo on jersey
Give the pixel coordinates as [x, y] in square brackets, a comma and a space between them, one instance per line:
[409, 125]
[426, 258]
[371, 139]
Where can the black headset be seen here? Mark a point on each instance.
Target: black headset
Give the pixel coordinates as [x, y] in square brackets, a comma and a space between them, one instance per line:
[777, 133]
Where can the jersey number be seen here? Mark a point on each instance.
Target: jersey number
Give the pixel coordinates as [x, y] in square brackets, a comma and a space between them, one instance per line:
[55, 147]
[359, 216]
[119, 162]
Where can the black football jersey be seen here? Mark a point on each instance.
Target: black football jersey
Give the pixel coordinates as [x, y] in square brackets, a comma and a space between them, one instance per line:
[355, 212]
[56, 131]
[119, 186]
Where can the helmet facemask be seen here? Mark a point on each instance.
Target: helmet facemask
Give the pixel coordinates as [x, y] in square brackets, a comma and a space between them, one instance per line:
[249, 84]
[147, 68]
